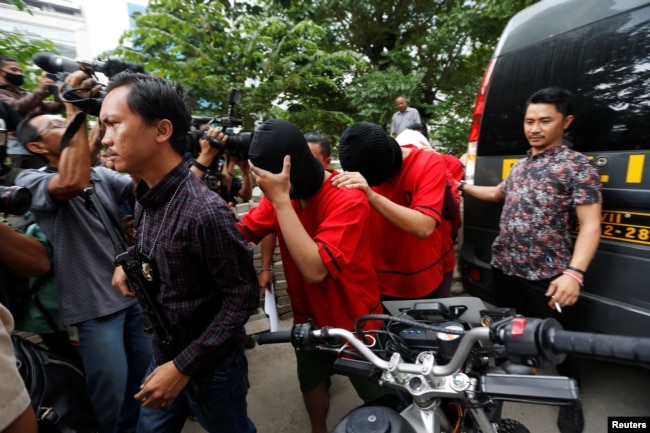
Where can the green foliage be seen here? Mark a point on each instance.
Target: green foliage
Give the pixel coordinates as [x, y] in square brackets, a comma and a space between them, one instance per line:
[186, 41]
[324, 64]
[19, 4]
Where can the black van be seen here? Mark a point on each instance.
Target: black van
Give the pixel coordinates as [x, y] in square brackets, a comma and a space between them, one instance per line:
[600, 50]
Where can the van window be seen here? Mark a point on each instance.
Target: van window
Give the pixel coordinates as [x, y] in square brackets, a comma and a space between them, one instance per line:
[606, 64]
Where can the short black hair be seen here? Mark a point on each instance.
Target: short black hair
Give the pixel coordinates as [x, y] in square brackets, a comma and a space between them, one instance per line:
[323, 142]
[25, 132]
[561, 98]
[155, 98]
[6, 59]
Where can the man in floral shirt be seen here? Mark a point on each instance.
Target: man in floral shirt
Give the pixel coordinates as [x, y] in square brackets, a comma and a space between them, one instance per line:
[537, 269]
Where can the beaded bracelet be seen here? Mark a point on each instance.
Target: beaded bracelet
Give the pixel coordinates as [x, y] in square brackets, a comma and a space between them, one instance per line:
[578, 279]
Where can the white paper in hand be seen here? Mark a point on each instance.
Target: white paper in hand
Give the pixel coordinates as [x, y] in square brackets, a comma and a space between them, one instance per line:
[270, 308]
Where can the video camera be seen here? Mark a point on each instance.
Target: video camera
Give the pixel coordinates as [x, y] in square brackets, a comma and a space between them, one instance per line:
[58, 67]
[237, 144]
[15, 200]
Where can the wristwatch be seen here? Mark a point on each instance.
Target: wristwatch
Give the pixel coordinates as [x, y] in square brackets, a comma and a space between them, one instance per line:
[461, 185]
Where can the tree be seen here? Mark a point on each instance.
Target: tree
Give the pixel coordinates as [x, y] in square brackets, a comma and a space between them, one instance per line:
[433, 51]
[211, 46]
[323, 64]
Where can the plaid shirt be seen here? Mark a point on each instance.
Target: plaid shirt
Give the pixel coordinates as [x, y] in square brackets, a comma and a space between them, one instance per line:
[542, 192]
[208, 285]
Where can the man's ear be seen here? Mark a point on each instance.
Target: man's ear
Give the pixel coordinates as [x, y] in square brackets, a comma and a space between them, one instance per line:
[164, 130]
[35, 147]
[568, 120]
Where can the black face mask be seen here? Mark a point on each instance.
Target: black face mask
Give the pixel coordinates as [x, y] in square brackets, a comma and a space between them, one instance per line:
[15, 79]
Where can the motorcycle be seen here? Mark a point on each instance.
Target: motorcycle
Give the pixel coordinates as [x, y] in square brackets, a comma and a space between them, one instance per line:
[453, 362]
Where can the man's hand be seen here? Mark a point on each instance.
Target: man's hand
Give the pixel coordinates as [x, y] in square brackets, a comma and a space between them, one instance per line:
[44, 82]
[243, 164]
[276, 187]
[208, 152]
[120, 282]
[162, 386]
[564, 291]
[351, 179]
[83, 84]
[265, 279]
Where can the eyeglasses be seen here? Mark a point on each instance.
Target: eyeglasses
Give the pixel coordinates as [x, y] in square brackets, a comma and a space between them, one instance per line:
[52, 124]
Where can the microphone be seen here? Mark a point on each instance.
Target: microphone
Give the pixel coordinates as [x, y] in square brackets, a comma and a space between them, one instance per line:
[54, 64]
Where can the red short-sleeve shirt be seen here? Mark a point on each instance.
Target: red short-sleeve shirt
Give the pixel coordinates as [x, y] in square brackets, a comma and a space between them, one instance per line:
[408, 267]
[337, 220]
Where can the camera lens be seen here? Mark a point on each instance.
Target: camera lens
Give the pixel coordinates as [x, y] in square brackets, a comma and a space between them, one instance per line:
[15, 200]
[238, 144]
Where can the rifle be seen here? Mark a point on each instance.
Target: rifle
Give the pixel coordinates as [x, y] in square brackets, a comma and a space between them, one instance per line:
[153, 317]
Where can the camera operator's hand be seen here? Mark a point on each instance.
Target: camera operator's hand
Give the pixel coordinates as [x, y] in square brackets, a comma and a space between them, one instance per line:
[208, 153]
[44, 82]
[243, 165]
[83, 85]
[246, 190]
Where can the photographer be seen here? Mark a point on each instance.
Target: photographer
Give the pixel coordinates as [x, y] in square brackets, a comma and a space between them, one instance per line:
[229, 187]
[24, 103]
[105, 327]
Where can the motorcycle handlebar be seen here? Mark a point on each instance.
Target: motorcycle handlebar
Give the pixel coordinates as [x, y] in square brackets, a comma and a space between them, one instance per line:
[274, 337]
[609, 347]
[528, 341]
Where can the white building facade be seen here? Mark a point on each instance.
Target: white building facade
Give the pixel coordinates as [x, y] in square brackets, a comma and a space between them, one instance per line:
[79, 28]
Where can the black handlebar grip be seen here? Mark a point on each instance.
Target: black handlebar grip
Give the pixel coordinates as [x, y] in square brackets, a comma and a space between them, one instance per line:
[274, 337]
[603, 346]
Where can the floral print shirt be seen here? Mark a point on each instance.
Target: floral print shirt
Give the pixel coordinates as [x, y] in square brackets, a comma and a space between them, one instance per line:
[541, 193]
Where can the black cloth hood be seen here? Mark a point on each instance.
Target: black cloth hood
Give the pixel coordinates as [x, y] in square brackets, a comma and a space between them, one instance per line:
[276, 138]
[368, 149]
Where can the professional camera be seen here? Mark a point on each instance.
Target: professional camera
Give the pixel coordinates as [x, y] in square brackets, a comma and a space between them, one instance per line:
[59, 67]
[237, 144]
[15, 200]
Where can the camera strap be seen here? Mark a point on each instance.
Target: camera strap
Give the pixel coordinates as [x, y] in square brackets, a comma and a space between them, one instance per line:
[73, 127]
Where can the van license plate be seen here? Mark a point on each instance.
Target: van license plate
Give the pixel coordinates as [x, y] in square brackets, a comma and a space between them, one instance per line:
[623, 226]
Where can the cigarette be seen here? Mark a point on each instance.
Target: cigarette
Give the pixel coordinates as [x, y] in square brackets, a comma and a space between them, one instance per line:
[558, 308]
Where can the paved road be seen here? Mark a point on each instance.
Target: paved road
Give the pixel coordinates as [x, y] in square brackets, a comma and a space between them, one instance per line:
[275, 403]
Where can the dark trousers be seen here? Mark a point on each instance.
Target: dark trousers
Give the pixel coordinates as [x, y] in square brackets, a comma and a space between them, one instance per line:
[527, 297]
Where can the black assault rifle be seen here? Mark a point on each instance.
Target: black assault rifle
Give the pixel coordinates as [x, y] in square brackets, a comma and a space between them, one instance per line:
[153, 317]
